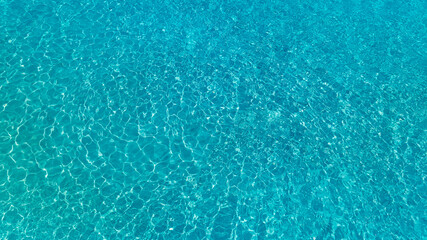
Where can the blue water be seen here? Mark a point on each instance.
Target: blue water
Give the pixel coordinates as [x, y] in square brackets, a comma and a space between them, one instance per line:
[213, 119]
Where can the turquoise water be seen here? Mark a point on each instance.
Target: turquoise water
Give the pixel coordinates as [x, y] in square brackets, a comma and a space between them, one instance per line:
[213, 119]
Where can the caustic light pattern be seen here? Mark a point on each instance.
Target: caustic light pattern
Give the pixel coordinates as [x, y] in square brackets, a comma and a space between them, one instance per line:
[213, 119]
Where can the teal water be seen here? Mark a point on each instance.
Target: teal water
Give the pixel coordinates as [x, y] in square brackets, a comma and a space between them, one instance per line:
[213, 119]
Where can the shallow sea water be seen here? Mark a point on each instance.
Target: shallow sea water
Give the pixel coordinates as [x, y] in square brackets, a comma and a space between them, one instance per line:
[213, 119]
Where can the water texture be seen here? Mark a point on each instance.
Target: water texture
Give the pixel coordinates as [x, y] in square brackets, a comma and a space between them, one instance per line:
[213, 119]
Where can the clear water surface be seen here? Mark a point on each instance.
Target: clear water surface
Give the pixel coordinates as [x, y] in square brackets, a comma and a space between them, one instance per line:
[213, 119]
